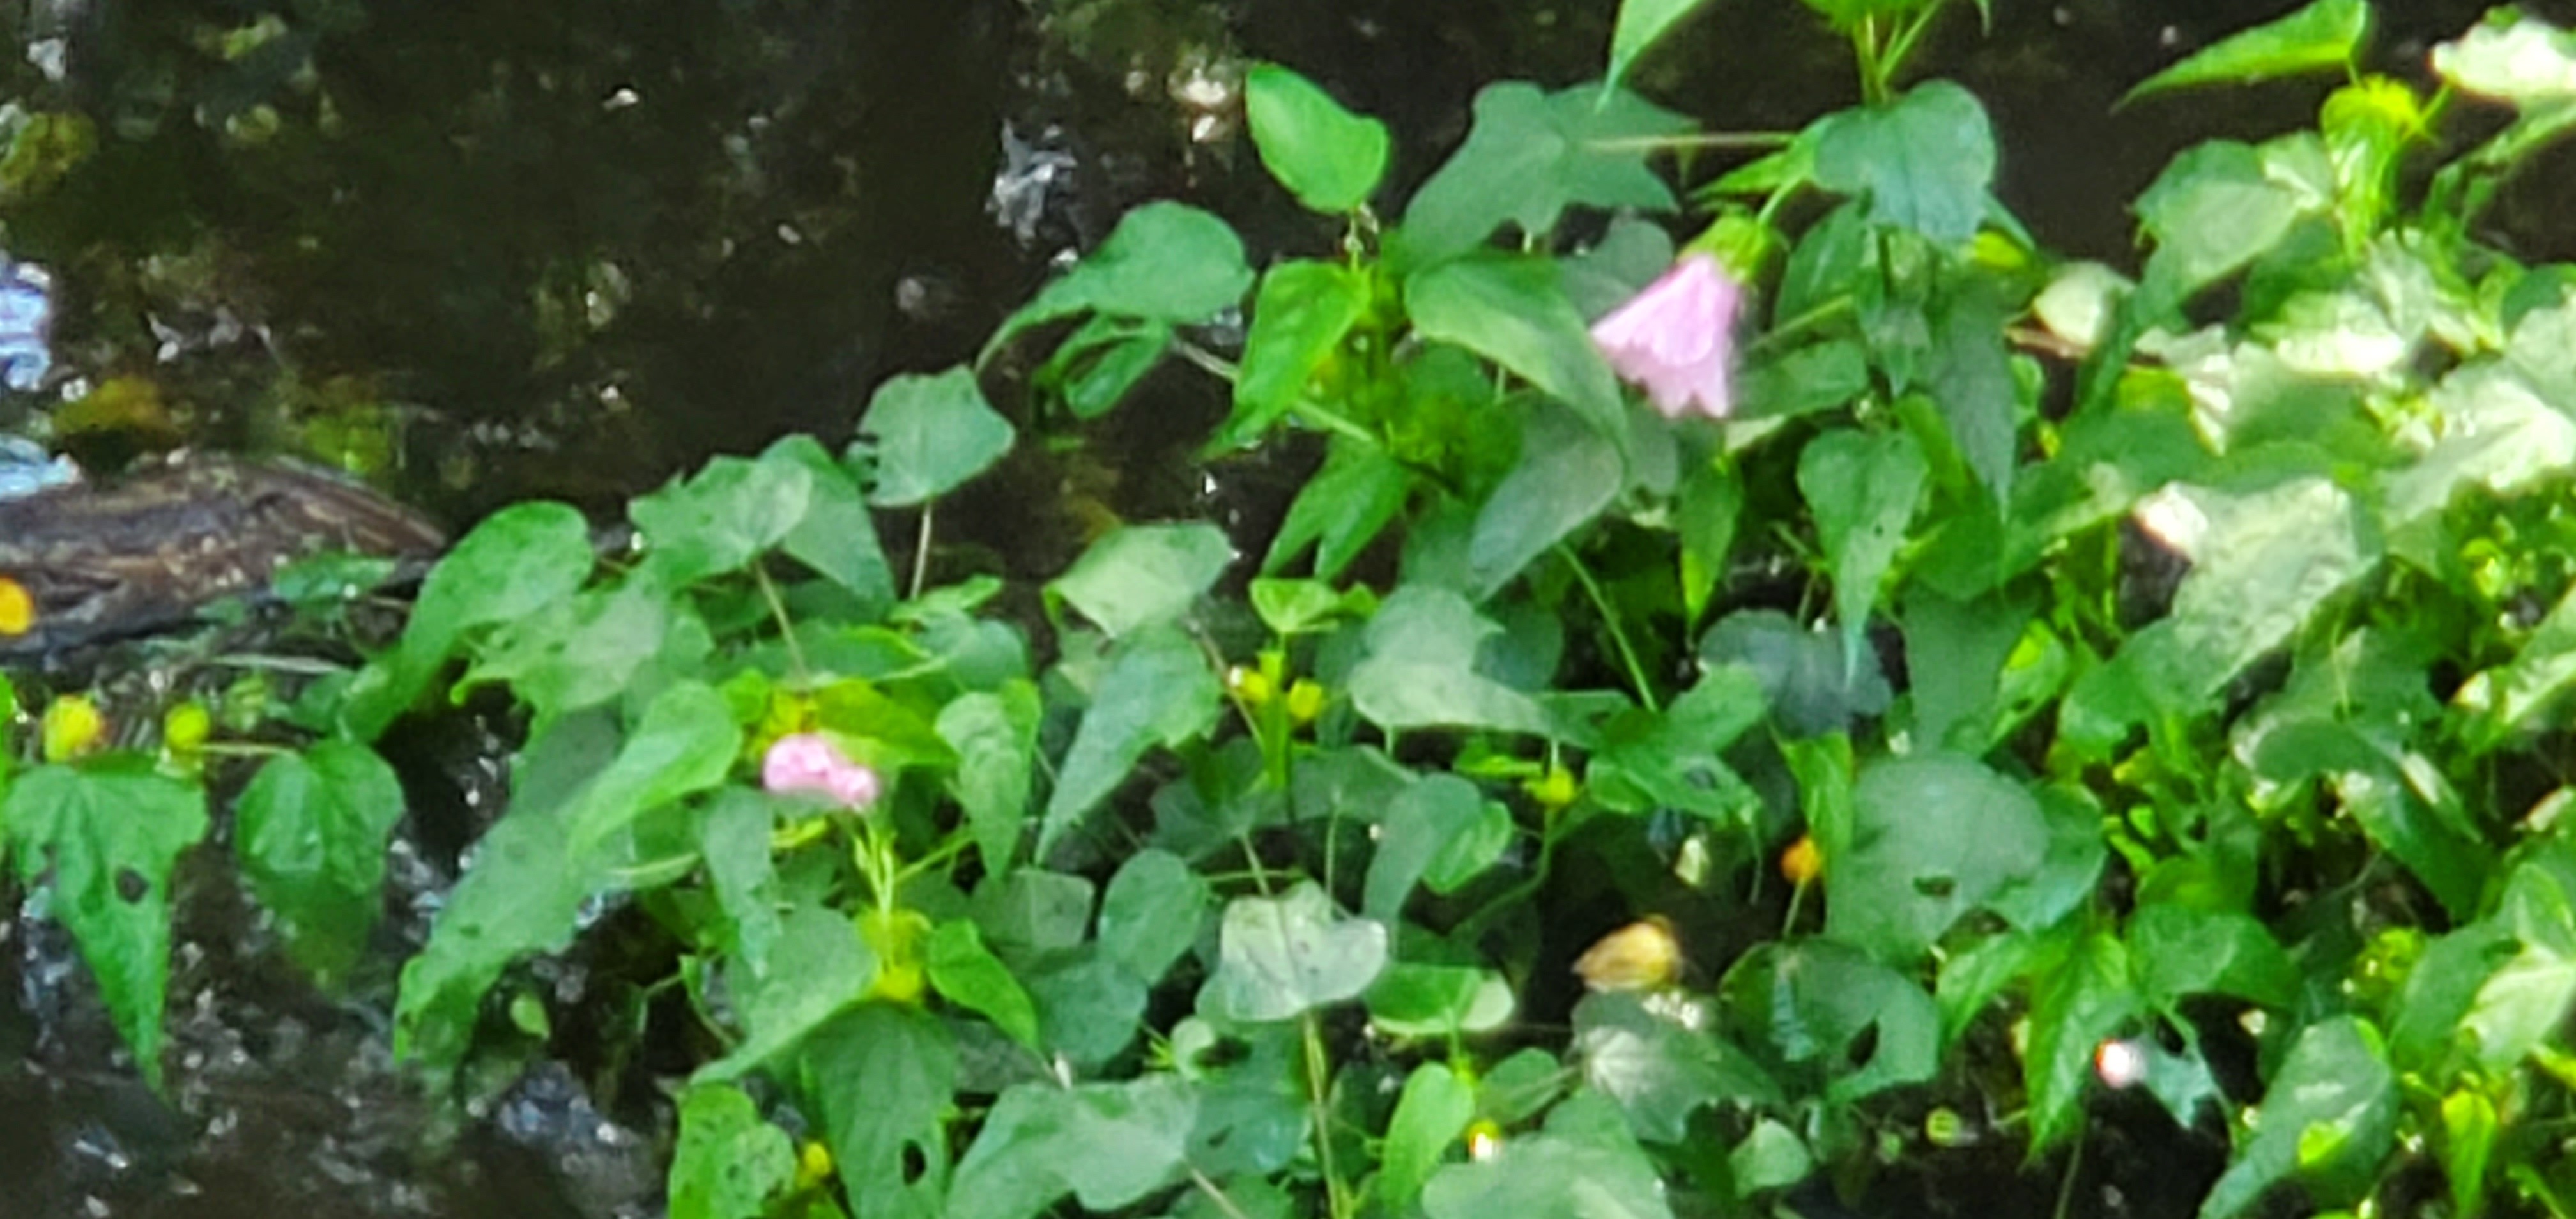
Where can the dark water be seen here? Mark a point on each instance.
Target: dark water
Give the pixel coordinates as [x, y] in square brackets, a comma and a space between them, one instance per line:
[491, 250]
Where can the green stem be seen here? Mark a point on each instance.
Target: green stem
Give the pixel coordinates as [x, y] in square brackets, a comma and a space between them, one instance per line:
[1618, 634]
[2074, 1162]
[786, 626]
[1207, 361]
[1216, 1195]
[1319, 1096]
[1902, 46]
[921, 552]
[948, 850]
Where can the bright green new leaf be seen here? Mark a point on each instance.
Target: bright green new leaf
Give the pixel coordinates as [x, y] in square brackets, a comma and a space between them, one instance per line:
[311, 835]
[1278, 958]
[2325, 36]
[1923, 162]
[1158, 690]
[1430, 1114]
[1420, 671]
[729, 1162]
[1659, 1070]
[1513, 310]
[1165, 262]
[928, 436]
[1305, 607]
[1328, 157]
[108, 837]
[1771, 1156]
[995, 736]
[720, 519]
[884, 1076]
[1151, 913]
[968, 974]
[1299, 318]
[1109, 1145]
[1642, 23]
[1442, 827]
[2329, 1118]
[1529, 156]
[1935, 836]
[1863, 488]
[1144, 575]
[1567, 474]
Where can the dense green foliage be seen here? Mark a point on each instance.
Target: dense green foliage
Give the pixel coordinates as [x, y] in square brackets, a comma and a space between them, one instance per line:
[2149, 663]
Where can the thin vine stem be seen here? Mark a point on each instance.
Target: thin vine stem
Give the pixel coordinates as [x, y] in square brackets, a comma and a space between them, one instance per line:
[1618, 634]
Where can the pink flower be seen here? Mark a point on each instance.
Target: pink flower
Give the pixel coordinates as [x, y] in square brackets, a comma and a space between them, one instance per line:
[1677, 338]
[810, 762]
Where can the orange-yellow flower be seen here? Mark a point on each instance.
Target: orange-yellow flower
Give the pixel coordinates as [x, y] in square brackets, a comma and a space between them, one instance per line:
[1802, 862]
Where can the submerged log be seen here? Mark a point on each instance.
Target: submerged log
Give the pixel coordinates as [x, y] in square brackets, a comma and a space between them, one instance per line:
[146, 551]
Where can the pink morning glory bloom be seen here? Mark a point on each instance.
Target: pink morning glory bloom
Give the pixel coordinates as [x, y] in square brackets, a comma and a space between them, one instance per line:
[810, 762]
[1677, 338]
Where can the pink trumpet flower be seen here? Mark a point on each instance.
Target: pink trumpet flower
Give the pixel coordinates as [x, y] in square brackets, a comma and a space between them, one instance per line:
[1676, 339]
[810, 762]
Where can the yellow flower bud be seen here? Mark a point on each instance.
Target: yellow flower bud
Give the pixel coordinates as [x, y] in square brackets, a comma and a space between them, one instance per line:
[73, 726]
[185, 727]
[1306, 700]
[898, 937]
[1251, 687]
[17, 608]
[1555, 789]
[813, 1165]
